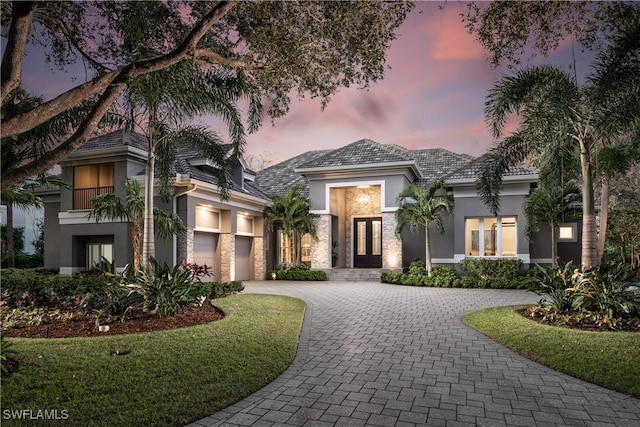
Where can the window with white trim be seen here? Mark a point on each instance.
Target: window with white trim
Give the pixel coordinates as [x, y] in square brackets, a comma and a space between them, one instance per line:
[284, 248]
[305, 250]
[490, 237]
[96, 252]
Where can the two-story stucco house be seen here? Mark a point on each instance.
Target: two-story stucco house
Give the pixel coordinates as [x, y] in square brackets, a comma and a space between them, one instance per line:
[225, 235]
[353, 189]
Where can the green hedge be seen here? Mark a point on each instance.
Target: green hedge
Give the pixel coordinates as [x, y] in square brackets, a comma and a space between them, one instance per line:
[301, 272]
[219, 290]
[32, 287]
[496, 273]
[499, 268]
[23, 260]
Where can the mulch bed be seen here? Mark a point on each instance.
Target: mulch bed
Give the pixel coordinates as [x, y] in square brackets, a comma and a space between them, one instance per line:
[191, 316]
[620, 327]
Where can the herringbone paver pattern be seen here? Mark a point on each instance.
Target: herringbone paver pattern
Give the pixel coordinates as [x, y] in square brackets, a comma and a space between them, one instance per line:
[373, 354]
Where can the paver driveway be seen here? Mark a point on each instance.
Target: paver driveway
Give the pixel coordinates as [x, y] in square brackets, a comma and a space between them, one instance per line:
[385, 355]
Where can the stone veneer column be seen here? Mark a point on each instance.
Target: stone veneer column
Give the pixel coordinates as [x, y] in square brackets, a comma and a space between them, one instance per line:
[258, 258]
[321, 248]
[392, 244]
[185, 246]
[227, 244]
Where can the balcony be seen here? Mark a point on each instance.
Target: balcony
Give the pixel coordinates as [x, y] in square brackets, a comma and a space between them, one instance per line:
[82, 196]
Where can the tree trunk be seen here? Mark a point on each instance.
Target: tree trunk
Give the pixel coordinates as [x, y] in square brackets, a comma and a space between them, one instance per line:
[148, 239]
[428, 251]
[554, 247]
[11, 247]
[17, 38]
[589, 243]
[604, 217]
[135, 242]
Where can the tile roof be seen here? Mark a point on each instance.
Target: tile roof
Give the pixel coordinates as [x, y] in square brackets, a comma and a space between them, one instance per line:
[471, 171]
[435, 163]
[362, 152]
[181, 165]
[279, 178]
[119, 138]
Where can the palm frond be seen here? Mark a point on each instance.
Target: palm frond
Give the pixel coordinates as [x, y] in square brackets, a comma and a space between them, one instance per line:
[108, 207]
[494, 165]
[532, 93]
[419, 207]
[166, 225]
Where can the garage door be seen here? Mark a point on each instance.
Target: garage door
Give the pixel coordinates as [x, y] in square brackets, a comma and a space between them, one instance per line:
[204, 248]
[244, 269]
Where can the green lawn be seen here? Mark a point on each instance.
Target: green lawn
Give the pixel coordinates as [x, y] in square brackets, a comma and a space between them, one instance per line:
[609, 359]
[168, 378]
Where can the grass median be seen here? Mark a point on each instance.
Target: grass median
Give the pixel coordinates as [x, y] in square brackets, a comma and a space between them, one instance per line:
[164, 378]
[608, 359]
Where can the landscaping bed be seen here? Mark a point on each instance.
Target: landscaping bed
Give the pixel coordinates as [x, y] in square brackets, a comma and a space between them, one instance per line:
[86, 326]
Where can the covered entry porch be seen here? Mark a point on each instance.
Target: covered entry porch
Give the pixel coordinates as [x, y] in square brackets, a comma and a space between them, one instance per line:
[355, 231]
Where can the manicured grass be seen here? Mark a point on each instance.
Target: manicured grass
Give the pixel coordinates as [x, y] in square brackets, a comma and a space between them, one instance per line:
[609, 359]
[169, 378]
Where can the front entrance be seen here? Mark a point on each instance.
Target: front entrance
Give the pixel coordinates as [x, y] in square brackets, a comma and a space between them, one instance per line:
[367, 239]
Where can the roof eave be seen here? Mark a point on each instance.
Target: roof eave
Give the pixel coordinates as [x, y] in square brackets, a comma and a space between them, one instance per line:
[365, 166]
[506, 179]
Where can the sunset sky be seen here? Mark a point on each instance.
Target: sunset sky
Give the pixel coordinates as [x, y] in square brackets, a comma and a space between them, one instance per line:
[432, 96]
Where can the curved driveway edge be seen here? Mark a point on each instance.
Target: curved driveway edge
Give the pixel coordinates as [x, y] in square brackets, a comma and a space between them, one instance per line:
[376, 354]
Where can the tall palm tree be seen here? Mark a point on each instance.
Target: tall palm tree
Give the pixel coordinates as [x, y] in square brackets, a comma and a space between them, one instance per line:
[132, 209]
[420, 208]
[291, 214]
[551, 205]
[557, 115]
[165, 100]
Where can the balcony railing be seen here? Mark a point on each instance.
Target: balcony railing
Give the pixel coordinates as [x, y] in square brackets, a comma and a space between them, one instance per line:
[82, 196]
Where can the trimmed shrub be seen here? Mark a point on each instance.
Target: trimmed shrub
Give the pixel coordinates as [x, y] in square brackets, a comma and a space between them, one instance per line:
[28, 287]
[220, 290]
[301, 272]
[498, 273]
[444, 277]
[500, 268]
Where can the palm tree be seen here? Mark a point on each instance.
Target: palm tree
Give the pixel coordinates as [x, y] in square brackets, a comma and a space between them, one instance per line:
[165, 101]
[552, 205]
[420, 208]
[291, 215]
[559, 116]
[111, 207]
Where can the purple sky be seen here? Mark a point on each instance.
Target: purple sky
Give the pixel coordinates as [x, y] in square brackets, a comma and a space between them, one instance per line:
[433, 95]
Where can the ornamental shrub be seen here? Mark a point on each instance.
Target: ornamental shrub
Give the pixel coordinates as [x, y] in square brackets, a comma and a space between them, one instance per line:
[444, 277]
[301, 272]
[487, 268]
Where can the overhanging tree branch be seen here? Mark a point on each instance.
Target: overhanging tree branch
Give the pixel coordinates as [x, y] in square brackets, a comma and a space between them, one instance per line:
[76, 140]
[24, 122]
[11, 71]
[216, 58]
